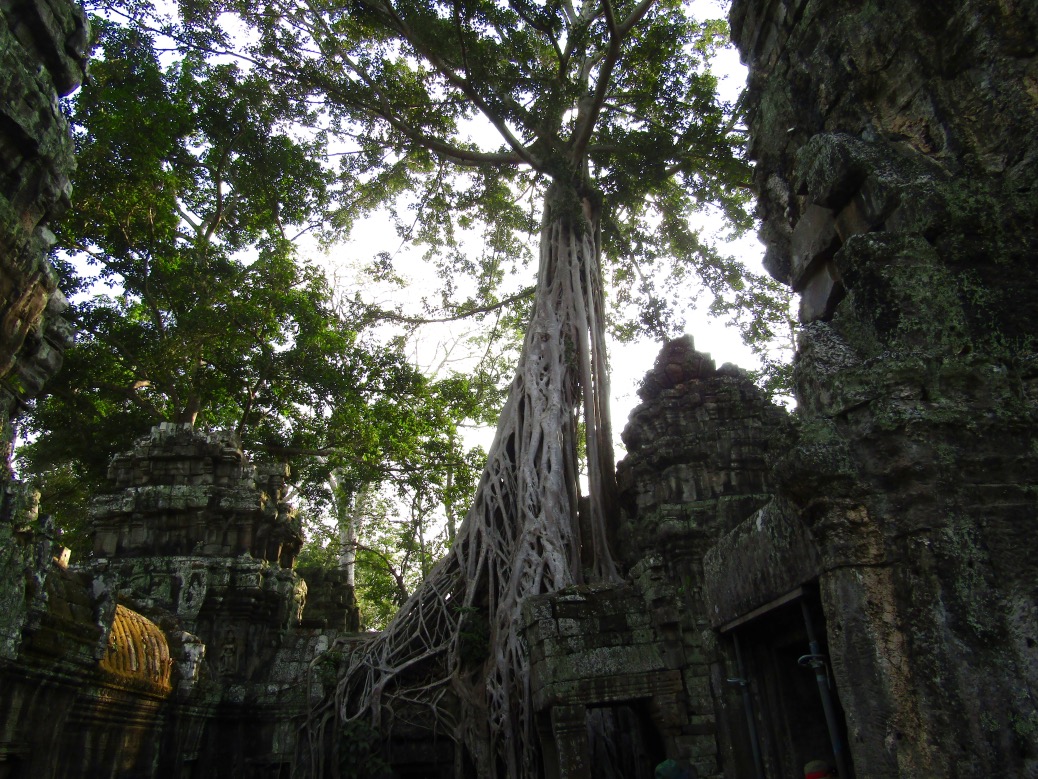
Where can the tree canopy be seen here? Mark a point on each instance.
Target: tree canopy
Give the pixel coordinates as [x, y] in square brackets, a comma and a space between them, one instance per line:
[619, 94]
[195, 179]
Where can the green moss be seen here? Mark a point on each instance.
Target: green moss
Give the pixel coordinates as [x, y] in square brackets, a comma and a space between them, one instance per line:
[952, 274]
[12, 594]
[901, 297]
[1025, 727]
[989, 723]
[969, 567]
[987, 241]
[359, 751]
[326, 668]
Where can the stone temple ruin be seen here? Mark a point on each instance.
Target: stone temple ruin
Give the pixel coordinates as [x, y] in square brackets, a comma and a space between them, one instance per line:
[857, 582]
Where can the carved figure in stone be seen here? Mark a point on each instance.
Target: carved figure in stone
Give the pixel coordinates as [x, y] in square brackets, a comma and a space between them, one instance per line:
[228, 653]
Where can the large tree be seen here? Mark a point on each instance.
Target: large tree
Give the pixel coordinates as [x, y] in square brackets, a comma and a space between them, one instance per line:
[606, 109]
[195, 179]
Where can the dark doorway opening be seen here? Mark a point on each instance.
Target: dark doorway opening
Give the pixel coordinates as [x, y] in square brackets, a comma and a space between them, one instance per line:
[785, 681]
[623, 742]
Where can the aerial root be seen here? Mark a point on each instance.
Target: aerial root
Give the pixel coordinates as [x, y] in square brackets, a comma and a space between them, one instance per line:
[454, 651]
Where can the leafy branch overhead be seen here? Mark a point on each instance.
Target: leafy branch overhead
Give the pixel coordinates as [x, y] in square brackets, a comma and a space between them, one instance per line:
[650, 132]
[467, 109]
[195, 180]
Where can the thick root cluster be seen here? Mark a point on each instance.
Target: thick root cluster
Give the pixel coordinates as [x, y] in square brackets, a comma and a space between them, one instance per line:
[452, 660]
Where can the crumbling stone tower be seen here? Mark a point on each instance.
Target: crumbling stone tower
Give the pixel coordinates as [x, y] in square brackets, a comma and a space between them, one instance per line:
[193, 531]
[42, 55]
[897, 153]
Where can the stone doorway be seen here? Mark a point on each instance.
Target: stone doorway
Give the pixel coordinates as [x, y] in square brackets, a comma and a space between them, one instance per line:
[782, 688]
[616, 740]
[623, 743]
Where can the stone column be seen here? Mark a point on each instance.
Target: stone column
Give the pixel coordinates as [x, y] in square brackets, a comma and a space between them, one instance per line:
[42, 56]
[569, 726]
[897, 153]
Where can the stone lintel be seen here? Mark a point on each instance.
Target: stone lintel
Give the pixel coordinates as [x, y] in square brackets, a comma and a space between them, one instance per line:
[768, 555]
[615, 688]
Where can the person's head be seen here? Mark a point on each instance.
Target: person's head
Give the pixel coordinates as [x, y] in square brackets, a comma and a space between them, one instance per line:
[672, 769]
[818, 769]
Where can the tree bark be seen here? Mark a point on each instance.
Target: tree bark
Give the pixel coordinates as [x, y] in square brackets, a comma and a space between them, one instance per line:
[350, 509]
[454, 647]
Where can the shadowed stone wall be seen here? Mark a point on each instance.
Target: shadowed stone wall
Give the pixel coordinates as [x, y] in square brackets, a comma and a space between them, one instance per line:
[42, 55]
[42, 50]
[897, 153]
[626, 675]
[178, 648]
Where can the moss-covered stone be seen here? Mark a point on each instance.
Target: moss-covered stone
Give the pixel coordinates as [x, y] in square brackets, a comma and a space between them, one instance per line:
[913, 128]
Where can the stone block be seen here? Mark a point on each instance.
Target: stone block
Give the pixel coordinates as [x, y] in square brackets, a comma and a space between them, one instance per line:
[852, 220]
[821, 294]
[698, 688]
[814, 241]
[878, 196]
[612, 623]
[567, 626]
[831, 167]
[699, 729]
[609, 661]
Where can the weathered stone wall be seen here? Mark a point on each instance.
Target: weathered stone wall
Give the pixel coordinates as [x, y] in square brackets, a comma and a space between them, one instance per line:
[626, 675]
[79, 675]
[897, 152]
[42, 50]
[331, 602]
[42, 55]
[179, 654]
[700, 448]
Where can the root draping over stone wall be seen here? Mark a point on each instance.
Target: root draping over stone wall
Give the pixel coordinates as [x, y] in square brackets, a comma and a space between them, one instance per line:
[453, 656]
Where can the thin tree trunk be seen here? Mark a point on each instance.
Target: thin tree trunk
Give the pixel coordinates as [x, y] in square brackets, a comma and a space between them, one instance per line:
[448, 508]
[454, 647]
[350, 510]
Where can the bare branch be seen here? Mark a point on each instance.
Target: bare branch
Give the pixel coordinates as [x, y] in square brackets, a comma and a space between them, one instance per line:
[636, 16]
[590, 109]
[380, 314]
[449, 151]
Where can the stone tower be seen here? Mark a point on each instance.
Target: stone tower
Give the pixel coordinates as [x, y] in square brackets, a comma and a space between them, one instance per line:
[897, 154]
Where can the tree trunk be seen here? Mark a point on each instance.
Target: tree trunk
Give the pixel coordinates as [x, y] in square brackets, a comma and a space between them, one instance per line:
[350, 509]
[454, 646]
[448, 508]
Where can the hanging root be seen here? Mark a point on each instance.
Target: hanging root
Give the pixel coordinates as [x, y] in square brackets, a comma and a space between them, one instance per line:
[452, 660]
